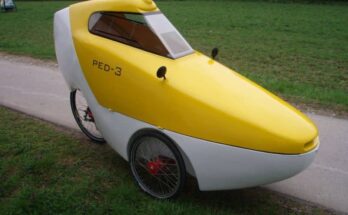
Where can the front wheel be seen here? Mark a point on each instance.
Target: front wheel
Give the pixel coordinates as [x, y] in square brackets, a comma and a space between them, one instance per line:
[84, 117]
[157, 166]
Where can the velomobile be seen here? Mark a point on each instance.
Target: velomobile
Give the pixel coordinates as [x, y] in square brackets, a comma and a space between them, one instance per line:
[169, 110]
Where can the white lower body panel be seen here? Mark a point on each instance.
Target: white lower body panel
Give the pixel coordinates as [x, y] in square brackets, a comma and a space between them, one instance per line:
[216, 166]
[220, 167]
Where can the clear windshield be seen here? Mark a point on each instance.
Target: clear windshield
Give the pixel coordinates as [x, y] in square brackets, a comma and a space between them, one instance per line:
[169, 36]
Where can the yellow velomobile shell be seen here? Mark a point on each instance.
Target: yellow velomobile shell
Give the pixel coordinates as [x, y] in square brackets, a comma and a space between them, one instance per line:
[200, 97]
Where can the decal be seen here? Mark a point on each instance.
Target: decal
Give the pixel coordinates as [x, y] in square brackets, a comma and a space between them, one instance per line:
[106, 67]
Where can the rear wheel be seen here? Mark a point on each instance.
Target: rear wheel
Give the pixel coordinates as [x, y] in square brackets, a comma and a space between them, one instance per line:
[84, 116]
[157, 166]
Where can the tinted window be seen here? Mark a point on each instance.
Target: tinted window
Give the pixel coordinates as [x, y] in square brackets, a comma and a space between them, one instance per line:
[127, 28]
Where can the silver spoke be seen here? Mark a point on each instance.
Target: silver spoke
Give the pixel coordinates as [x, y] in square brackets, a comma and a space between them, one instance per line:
[156, 167]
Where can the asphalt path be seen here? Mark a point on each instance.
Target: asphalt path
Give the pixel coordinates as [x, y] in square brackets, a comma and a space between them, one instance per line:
[39, 90]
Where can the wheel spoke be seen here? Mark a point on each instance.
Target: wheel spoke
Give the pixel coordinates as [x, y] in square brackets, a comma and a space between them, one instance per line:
[156, 167]
[84, 117]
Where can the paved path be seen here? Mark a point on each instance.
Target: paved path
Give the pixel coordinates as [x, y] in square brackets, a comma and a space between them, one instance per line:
[41, 92]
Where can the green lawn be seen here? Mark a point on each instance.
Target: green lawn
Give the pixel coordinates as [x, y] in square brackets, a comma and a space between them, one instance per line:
[299, 51]
[45, 169]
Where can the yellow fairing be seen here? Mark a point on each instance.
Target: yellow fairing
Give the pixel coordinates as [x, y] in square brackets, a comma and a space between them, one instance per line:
[200, 97]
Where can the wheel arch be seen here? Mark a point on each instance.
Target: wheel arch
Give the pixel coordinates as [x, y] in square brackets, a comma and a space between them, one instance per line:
[145, 131]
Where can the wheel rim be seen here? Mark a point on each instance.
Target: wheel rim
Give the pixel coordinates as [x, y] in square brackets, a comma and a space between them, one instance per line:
[85, 115]
[156, 168]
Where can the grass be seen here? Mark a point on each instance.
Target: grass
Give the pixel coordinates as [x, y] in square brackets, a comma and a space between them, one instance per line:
[45, 169]
[30, 30]
[299, 51]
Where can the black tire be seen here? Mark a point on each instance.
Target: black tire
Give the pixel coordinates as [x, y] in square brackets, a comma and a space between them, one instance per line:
[84, 117]
[160, 171]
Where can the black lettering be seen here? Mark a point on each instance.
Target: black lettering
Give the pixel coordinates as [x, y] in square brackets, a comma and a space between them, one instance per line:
[118, 71]
[100, 65]
[106, 68]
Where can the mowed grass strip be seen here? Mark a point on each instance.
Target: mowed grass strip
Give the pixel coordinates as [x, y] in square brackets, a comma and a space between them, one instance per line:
[29, 31]
[299, 51]
[296, 50]
[45, 169]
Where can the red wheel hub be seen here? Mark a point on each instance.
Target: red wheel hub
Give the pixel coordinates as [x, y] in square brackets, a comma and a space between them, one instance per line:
[89, 114]
[154, 166]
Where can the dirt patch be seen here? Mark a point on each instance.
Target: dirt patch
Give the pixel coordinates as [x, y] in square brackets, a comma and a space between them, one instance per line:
[28, 60]
[335, 111]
